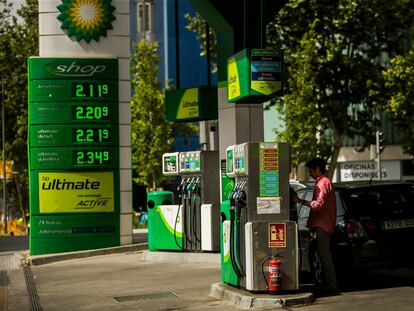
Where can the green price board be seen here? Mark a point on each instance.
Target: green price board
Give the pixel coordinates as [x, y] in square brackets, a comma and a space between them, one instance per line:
[73, 141]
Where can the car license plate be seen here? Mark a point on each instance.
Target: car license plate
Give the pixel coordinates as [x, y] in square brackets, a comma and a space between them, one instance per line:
[398, 224]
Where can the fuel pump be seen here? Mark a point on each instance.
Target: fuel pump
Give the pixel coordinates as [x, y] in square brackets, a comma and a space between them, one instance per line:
[199, 199]
[259, 216]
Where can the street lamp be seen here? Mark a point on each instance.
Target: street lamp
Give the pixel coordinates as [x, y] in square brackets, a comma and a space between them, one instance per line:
[3, 144]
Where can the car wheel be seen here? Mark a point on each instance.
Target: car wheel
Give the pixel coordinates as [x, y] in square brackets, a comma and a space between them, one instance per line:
[316, 267]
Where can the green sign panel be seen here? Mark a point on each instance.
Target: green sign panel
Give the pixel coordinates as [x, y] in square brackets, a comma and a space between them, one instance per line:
[73, 158]
[45, 68]
[80, 90]
[56, 233]
[73, 112]
[73, 154]
[193, 104]
[76, 134]
[254, 75]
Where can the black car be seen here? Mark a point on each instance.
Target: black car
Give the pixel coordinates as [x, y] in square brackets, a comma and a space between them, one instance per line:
[374, 229]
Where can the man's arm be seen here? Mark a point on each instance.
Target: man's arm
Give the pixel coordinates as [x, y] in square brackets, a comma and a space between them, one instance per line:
[320, 197]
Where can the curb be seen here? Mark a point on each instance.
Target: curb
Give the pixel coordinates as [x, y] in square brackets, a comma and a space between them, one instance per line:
[160, 256]
[46, 259]
[248, 301]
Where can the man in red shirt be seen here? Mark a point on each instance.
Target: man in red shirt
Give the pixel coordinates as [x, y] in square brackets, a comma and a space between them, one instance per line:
[322, 218]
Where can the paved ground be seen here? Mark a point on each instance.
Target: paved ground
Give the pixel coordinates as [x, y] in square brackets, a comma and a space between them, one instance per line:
[138, 281]
[126, 282]
[106, 282]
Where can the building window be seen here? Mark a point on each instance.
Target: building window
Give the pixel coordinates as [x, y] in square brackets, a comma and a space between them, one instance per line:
[144, 17]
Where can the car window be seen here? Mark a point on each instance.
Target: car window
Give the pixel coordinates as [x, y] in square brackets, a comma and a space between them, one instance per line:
[387, 201]
[362, 203]
[340, 209]
[303, 211]
[397, 202]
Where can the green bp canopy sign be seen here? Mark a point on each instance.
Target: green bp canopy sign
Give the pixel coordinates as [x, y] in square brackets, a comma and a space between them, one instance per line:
[86, 19]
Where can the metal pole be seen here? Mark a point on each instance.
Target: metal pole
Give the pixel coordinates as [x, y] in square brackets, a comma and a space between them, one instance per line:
[3, 152]
[378, 151]
[379, 167]
[19, 196]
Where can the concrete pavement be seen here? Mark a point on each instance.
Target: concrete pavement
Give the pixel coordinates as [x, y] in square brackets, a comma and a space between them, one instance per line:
[123, 282]
[130, 278]
[138, 280]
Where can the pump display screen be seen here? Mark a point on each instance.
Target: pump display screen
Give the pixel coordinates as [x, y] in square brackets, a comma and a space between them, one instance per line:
[91, 90]
[240, 167]
[170, 164]
[229, 161]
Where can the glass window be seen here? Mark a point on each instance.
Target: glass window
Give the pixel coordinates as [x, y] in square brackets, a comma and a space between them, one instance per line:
[144, 17]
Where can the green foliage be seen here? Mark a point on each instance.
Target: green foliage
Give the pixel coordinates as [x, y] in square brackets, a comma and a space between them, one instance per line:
[333, 48]
[18, 41]
[399, 86]
[151, 134]
[197, 25]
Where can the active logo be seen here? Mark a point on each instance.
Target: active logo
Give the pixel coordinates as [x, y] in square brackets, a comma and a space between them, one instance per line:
[86, 19]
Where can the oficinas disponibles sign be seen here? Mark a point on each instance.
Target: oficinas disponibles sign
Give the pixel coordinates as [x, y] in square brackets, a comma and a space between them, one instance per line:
[73, 154]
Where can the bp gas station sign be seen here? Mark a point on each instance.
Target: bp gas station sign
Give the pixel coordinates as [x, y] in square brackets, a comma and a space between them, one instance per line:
[254, 75]
[73, 154]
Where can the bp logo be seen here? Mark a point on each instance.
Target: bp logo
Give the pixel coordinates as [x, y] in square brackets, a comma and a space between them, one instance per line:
[86, 19]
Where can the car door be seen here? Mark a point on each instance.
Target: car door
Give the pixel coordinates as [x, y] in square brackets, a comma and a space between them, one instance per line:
[304, 233]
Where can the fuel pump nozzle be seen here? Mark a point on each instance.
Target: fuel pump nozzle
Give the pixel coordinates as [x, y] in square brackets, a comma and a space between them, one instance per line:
[181, 185]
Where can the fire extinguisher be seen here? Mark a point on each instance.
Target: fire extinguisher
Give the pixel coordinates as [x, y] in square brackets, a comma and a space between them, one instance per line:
[273, 280]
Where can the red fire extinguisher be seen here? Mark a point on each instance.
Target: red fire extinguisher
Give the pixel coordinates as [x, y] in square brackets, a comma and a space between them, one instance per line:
[273, 279]
[274, 275]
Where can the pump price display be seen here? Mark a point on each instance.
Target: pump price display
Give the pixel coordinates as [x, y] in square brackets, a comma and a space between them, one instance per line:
[91, 135]
[95, 112]
[91, 90]
[91, 157]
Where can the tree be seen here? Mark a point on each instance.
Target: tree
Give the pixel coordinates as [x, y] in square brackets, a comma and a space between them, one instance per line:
[399, 102]
[151, 134]
[18, 41]
[333, 48]
[198, 25]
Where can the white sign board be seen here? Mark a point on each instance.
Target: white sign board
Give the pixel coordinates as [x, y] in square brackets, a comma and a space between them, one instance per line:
[365, 170]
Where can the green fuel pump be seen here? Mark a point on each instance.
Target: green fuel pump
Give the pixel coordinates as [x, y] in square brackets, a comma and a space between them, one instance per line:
[257, 216]
[193, 224]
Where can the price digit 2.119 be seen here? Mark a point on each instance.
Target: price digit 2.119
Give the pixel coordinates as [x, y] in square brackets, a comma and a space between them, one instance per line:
[91, 90]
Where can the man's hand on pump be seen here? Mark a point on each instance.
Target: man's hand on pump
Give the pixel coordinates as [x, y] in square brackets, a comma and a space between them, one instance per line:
[297, 200]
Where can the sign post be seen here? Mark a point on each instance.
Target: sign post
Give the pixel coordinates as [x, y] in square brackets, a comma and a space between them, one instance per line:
[73, 154]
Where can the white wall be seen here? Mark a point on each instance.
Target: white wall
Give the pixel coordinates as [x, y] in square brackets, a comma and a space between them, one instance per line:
[53, 42]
